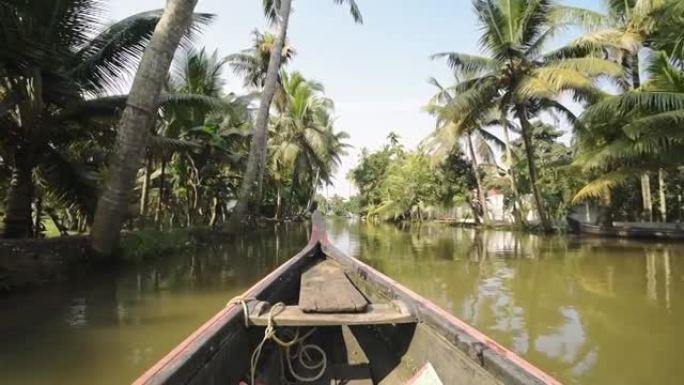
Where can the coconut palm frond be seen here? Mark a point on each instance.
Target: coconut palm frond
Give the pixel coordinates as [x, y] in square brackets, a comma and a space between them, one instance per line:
[464, 63]
[600, 188]
[71, 183]
[98, 65]
[563, 15]
[161, 145]
[354, 10]
[667, 125]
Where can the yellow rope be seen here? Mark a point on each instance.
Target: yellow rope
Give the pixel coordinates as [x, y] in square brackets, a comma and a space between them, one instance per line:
[239, 300]
[302, 350]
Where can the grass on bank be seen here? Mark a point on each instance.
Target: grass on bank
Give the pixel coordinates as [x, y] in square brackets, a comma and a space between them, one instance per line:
[150, 243]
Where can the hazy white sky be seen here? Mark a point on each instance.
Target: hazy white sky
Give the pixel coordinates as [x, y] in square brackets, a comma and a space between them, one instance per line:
[376, 72]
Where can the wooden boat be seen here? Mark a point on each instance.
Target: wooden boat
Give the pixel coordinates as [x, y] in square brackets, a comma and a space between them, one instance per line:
[636, 230]
[351, 325]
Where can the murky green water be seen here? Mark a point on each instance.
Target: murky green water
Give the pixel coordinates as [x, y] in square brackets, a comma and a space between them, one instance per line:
[588, 311]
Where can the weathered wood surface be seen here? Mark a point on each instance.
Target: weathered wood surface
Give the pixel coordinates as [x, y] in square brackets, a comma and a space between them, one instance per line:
[375, 314]
[500, 362]
[325, 288]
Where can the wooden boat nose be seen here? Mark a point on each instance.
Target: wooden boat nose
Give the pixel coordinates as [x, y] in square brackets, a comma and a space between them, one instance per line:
[328, 298]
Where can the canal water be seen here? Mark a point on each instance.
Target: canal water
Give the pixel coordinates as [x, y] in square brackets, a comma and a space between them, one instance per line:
[588, 311]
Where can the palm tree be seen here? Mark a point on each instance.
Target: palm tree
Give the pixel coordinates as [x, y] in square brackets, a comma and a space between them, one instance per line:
[252, 63]
[278, 11]
[56, 68]
[137, 118]
[198, 75]
[452, 129]
[626, 136]
[518, 76]
[626, 30]
[304, 143]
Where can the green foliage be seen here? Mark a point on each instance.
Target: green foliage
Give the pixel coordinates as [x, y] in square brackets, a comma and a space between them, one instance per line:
[395, 184]
[149, 243]
[558, 179]
[339, 206]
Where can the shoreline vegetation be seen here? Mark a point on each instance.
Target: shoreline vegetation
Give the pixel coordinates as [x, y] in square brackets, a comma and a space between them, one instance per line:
[528, 130]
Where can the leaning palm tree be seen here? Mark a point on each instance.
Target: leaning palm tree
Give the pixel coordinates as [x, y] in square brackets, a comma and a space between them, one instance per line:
[518, 76]
[137, 118]
[57, 68]
[278, 12]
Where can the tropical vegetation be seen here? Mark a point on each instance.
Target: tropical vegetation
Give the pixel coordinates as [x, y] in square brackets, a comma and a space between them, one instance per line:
[549, 128]
[166, 159]
[540, 126]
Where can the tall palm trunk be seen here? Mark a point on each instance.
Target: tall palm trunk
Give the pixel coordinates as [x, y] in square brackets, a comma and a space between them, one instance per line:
[37, 224]
[161, 194]
[18, 222]
[137, 118]
[312, 196]
[662, 188]
[145, 193]
[532, 167]
[480, 190]
[279, 202]
[257, 152]
[517, 206]
[646, 196]
[215, 212]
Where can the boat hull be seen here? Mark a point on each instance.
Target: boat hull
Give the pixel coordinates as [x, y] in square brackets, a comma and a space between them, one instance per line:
[219, 351]
[633, 230]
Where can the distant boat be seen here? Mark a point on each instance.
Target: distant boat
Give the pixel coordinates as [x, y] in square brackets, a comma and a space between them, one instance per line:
[636, 230]
[350, 325]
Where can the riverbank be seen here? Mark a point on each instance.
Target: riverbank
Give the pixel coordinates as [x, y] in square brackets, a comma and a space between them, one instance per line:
[32, 262]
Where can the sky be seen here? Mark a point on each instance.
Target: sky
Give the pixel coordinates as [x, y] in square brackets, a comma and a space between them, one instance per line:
[375, 72]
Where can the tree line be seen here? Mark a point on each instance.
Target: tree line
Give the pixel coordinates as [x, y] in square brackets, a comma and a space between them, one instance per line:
[503, 110]
[178, 150]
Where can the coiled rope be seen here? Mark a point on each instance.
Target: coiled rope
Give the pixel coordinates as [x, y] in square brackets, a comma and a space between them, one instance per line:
[302, 353]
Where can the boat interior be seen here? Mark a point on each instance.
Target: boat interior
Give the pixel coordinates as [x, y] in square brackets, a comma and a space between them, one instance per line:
[322, 323]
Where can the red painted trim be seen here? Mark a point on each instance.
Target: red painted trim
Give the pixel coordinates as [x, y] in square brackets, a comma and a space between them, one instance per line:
[177, 356]
[174, 359]
[460, 324]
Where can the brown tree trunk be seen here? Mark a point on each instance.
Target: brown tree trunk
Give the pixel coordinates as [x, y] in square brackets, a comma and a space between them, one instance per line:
[517, 206]
[161, 194]
[18, 221]
[145, 193]
[257, 153]
[37, 225]
[646, 197]
[188, 204]
[662, 189]
[279, 202]
[134, 127]
[215, 212]
[480, 190]
[532, 167]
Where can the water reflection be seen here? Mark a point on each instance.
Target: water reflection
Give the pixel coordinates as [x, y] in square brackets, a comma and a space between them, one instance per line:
[108, 328]
[588, 311]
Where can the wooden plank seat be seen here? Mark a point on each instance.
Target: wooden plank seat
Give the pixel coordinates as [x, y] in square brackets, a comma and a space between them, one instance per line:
[376, 314]
[325, 288]
[328, 298]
